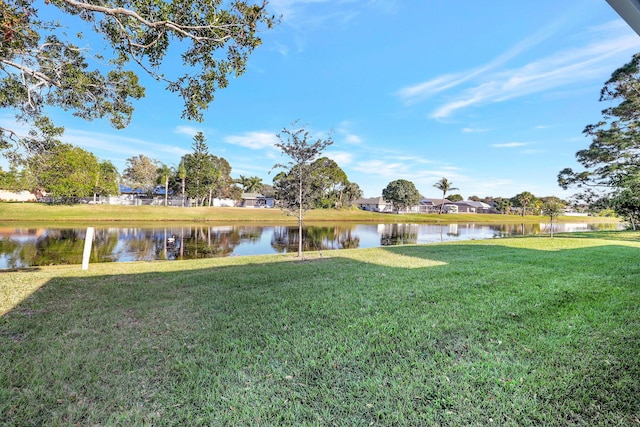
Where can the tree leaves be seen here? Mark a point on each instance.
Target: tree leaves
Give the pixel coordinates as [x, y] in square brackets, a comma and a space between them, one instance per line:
[402, 194]
[42, 67]
[614, 153]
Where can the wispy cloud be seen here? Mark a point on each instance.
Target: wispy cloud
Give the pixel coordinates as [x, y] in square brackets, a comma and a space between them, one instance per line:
[253, 140]
[338, 10]
[352, 139]
[342, 158]
[116, 147]
[510, 145]
[308, 16]
[186, 130]
[564, 68]
[421, 91]
[474, 130]
[493, 83]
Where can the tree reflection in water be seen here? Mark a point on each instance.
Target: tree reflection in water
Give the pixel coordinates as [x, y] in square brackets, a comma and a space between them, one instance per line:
[398, 234]
[285, 239]
[65, 246]
[24, 247]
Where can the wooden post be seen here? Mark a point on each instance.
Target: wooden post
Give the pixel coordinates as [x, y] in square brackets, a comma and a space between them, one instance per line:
[88, 240]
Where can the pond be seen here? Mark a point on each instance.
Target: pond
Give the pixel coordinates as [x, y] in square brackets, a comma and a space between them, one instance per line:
[26, 247]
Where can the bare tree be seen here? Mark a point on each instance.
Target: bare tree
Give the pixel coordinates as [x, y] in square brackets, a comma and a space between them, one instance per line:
[292, 185]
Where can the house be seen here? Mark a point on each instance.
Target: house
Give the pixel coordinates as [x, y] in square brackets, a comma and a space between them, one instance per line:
[256, 200]
[374, 204]
[469, 206]
[17, 196]
[137, 196]
[433, 205]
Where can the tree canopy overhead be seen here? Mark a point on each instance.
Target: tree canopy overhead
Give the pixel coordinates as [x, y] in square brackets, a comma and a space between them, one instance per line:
[42, 65]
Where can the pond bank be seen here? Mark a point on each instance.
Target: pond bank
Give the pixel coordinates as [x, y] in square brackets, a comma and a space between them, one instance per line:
[90, 214]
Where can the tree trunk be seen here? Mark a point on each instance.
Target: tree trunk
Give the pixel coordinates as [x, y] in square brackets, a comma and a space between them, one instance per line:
[166, 192]
[183, 192]
[300, 219]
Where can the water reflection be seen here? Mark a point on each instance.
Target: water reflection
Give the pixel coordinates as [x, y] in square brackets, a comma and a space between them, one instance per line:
[398, 234]
[285, 239]
[36, 246]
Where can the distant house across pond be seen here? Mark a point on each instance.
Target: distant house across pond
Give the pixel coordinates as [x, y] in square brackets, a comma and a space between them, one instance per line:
[256, 200]
[426, 205]
[373, 204]
[469, 206]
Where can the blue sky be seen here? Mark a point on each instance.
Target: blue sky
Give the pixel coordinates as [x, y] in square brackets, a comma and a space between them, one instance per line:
[492, 95]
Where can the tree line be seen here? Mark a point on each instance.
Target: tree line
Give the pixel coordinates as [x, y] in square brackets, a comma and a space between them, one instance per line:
[66, 173]
[403, 194]
[610, 179]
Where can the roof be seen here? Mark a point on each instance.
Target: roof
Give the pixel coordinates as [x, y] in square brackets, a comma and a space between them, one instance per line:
[478, 205]
[371, 201]
[629, 10]
[252, 196]
[434, 202]
[158, 190]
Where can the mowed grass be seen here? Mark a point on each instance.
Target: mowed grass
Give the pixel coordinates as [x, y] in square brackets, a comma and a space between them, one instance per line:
[28, 213]
[516, 332]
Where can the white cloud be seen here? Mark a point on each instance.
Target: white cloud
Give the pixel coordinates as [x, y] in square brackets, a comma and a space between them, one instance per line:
[348, 135]
[281, 48]
[409, 160]
[117, 144]
[253, 140]
[510, 145]
[474, 130]
[186, 130]
[353, 139]
[380, 167]
[421, 91]
[342, 158]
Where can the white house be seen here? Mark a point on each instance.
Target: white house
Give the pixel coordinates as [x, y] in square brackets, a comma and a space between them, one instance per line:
[374, 204]
[469, 206]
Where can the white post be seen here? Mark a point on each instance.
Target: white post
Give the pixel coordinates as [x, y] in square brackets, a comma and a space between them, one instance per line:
[88, 240]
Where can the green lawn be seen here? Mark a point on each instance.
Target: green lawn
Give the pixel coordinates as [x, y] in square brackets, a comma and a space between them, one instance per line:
[527, 331]
[11, 213]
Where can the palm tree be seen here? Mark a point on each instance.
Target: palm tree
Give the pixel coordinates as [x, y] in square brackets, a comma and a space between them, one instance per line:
[164, 174]
[251, 184]
[255, 184]
[445, 186]
[523, 199]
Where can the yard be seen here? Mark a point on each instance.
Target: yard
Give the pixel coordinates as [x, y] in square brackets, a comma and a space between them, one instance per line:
[528, 331]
